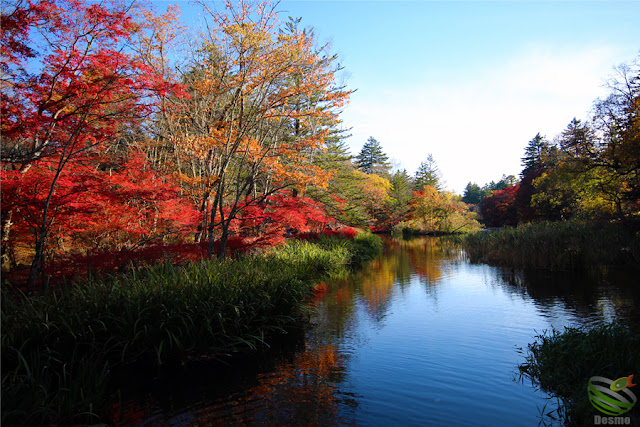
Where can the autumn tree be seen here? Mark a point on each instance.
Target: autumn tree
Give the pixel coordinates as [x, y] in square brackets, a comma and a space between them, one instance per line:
[107, 210]
[68, 95]
[591, 171]
[596, 172]
[564, 193]
[262, 99]
[500, 208]
[616, 120]
[372, 158]
[457, 217]
[476, 195]
[375, 191]
[427, 208]
[575, 182]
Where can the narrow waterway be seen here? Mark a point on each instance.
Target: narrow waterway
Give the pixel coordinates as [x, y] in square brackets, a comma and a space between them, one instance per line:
[419, 337]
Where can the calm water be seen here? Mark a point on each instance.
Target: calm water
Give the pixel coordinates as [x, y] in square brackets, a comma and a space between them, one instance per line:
[419, 337]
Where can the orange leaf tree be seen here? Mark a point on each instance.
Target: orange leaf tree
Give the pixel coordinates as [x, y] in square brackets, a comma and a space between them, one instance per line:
[262, 98]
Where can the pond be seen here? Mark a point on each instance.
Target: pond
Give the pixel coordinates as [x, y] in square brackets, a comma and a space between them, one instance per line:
[420, 336]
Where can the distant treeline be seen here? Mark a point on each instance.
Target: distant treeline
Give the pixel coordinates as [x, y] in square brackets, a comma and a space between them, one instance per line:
[589, 171]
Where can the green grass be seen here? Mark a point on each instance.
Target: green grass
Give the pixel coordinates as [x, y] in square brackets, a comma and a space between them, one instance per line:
[362, 248]
[567, 245]
[561, 363]
[58, 349]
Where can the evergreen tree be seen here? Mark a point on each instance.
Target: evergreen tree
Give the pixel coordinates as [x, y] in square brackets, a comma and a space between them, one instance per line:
[401, 184]
[537, 156]
[344, 198]
[578, 141]
[505, 181]
[336, 155]
[427, 174]
[372, 159]
[473, 194]
[534, 154]
[400, 196]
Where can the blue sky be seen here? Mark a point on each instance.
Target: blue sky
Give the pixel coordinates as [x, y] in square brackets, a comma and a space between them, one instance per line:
[470, 82]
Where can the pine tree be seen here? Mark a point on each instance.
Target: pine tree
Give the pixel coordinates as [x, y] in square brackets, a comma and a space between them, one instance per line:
[372, 159]
[473, 194]
[578, 141]
[428, 174]
[337, 153]
[344, 198]
[534, 154]
[401, 184]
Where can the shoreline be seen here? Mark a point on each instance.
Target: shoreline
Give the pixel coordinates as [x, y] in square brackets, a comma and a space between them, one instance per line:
[566, 245]
[60, 350]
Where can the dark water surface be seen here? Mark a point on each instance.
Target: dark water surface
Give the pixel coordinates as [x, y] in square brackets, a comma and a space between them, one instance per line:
[419, 337]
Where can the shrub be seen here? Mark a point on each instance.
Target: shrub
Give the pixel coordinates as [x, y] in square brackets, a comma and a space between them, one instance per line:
[562, 245]
[561, 363]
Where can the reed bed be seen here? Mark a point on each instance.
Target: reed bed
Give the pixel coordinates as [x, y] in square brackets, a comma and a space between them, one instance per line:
[58, 349]
[561, 363]
[566, 245]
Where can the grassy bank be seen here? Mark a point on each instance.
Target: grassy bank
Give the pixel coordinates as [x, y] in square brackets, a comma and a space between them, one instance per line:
[561, 363]
[58, 350]
[563, 245]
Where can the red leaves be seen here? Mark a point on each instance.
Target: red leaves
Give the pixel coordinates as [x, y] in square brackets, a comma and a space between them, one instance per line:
[96, 206]
[500, 208]
[281, 214]
[71, 106]
[74, 198]
[88, 83]
[65, 267]
[14, 34]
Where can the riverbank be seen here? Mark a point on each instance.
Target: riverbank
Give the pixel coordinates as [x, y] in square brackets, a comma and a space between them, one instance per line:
[58, 350]
[566, 245]
[562, 362]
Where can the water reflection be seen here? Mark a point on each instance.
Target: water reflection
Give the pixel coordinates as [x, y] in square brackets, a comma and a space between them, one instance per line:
[589, 297]
[302, 392]
[418, 335]
[402, 262]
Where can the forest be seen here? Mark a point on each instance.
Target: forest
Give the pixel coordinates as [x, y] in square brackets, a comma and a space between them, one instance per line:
[195, 187]
[114, 153]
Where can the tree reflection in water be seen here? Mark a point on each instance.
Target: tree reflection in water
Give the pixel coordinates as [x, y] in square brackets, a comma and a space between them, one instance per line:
[599, 295]
[299, 388]
[426, 258]
[323, 378]
[302, 392]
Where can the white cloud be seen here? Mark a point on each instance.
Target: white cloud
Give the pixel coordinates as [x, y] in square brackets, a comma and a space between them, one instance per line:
[477, 128]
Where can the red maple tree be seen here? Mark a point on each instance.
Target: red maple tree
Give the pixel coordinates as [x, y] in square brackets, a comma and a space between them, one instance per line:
[71, 104]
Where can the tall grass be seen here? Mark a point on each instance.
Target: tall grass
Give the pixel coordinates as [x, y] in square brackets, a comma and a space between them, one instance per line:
[362, 248]
[57, 350]
[561, 363]
[563, 245]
